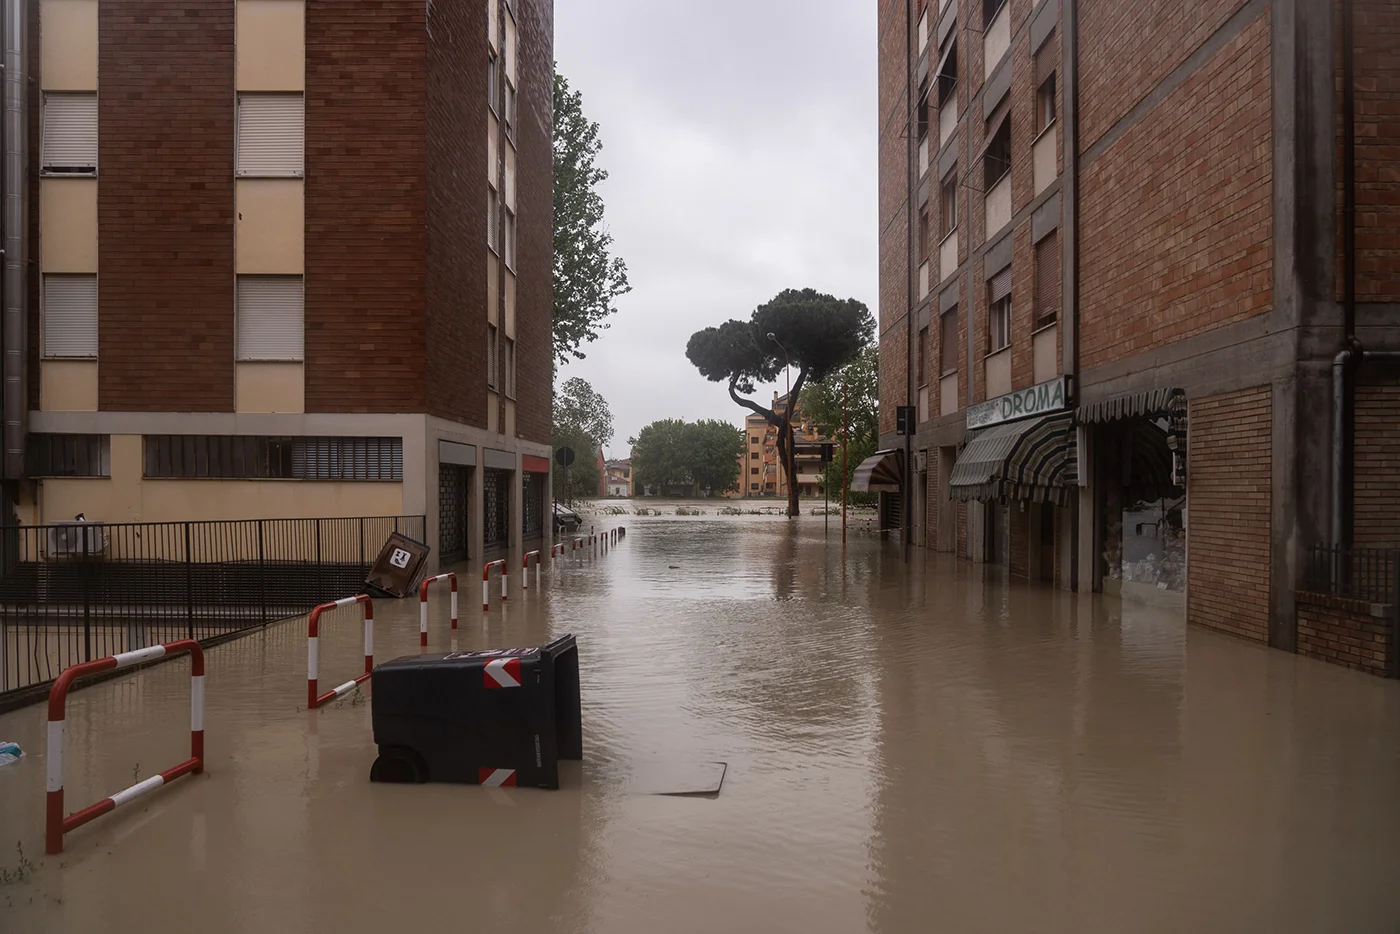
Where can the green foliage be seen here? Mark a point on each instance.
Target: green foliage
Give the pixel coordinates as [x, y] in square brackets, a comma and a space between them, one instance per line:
[700, 456]
[659, 456]
[814, 332]
[578, 408]
[583, 473]
[857, 384]
[713, 449]
[587, 277]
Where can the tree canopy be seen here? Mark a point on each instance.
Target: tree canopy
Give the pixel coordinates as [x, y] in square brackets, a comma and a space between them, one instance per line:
[700, 456]
[578, 407]
[659, 456]
[814, 332]
[587, 277]
[856, 386]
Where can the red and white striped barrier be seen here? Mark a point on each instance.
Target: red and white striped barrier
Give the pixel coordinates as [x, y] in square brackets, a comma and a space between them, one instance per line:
[423, 605]
[525, 570]
[56, 825]
[557, 548]
[313, 653]
[486, 583]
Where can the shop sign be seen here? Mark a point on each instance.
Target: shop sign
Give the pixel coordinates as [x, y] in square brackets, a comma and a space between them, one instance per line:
[1042, 399]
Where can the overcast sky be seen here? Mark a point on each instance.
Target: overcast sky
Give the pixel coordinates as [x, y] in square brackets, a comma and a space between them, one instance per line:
[740, 136]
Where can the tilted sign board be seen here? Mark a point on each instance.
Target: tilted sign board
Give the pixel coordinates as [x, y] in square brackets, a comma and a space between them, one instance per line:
[396, 569]
[1042, 399]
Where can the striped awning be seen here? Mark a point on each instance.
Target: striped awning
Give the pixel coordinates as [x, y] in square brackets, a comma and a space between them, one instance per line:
[1033, 460]
[1158, 403]
[881, 472]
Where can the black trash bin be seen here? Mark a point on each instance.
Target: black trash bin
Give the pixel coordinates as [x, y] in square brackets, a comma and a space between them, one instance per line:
[501, 717]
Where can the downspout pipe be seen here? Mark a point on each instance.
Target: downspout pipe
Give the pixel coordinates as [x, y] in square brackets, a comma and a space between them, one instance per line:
[906, 510]
[14, 318]
[1352, 350]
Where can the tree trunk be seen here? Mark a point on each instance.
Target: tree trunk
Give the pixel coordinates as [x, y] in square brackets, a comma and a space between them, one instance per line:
[788, 455]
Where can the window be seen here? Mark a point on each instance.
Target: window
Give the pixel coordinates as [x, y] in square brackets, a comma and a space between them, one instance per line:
[491, 356]
[493, 79]
[948, 341]
[1047, 279]
[69, 309]
[997, 161]
[68, 456]
[950, 203]
[251, 457]
[753, 470]
[510, 239]
[999, 311]
[948, 74]
[1045, 104]
[270, 135]
[923, 233]
[508, 359]
[753, 455]
[990, 9]
[510, 107]
[69, 134]
[923, 367]
[493, 226]
[270, 318]
[922, 111]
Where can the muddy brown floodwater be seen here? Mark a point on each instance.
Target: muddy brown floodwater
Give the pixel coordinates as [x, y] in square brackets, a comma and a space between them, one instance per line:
[910, 748]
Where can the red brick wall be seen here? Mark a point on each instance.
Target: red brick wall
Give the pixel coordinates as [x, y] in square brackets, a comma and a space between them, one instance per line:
[933, 497]
[1174, 244]
[1376, 63]
[964, 547]
[165, 206]
[1229, 501]
[366, 236]
[1376, 469]
[894, 218]
[1343, 632]
[1019, 537]
[894, 367]
[36, 103]
[535, 233]
[1126, 49]
[455, 284]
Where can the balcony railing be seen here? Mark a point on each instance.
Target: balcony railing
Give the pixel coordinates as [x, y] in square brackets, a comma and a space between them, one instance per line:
[1371, 575]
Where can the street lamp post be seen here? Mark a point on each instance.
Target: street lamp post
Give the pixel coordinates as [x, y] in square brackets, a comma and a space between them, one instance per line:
[787, 417]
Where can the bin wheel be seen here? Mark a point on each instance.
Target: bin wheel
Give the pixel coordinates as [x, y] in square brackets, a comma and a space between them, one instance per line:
[399, 765]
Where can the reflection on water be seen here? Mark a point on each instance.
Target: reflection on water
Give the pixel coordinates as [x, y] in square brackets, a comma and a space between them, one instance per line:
[911, 748]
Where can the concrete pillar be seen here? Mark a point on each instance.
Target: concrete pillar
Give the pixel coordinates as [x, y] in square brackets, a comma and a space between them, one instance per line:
[476, 513]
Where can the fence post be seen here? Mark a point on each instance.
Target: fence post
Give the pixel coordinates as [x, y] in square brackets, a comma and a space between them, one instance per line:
[320, 564]
[189, 584]
[87, 600]
[362, 541]
[262, 575]
[1393, 648]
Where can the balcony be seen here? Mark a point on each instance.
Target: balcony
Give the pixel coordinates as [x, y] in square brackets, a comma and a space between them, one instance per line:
[923, 280]
[996, 40]
[947, 121]
[998, 373]
[948, 394]
[998, 205]
[923, 156]
[1044, 155]
[948, 256]
[1047, 357]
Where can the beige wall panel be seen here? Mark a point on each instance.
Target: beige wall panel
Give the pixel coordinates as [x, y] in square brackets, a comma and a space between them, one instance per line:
[271, 45]
[510, 418]
[493, 412]
[68, 225]
[493, 140]
[68, 45]
[493, 288]
[510, 304]
[68, 385]
[510, 177]
[271, 226]
[270, 387]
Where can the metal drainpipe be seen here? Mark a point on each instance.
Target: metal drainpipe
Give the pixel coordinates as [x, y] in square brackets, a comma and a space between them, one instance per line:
[906, 519]
[15, 216]
[1069, 193]
[1351, 352]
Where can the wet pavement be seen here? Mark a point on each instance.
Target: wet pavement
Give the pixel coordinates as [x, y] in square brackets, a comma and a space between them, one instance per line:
[909, 748]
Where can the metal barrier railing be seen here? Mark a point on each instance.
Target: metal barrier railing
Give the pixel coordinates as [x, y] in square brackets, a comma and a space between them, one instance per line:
[1368, 574]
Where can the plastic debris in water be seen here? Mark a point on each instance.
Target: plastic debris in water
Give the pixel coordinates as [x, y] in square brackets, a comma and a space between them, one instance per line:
[10, 752]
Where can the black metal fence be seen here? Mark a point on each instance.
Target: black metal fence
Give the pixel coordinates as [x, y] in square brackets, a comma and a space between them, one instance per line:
[1369, 574]
[79, 591]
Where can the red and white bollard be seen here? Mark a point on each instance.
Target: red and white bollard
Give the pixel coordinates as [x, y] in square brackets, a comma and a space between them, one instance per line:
[486, 583]
[56, 825]
[423, 605]
[556, 549]
[525, 570]
[313, 650]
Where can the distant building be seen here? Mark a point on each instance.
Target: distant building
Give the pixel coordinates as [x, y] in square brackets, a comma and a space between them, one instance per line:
[617, 477]
[761, 470]
[602, 473]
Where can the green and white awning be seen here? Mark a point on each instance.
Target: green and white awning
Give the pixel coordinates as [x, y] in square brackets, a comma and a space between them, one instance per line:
[1033, 459]
[1158, 403]
[882, 472]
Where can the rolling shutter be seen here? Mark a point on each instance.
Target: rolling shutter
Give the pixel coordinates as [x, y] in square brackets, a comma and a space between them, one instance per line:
[70, 316]
[1000, 286]
[1047, 279]
[270, 132]
[70, 133]
[270, 319]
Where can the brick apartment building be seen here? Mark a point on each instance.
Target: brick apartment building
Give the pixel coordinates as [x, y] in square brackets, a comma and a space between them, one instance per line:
[1116, 255]
[286, 258]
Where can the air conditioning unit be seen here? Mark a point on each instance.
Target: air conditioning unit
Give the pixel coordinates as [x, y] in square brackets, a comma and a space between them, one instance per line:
[77, 538]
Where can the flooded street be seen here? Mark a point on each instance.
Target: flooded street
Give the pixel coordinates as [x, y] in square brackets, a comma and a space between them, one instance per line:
[909, 748]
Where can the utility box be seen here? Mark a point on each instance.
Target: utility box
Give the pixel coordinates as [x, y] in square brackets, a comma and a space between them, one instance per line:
[499, 717]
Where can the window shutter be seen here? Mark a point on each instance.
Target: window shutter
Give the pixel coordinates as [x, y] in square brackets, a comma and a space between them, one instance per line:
[1047, 278]
[493, 201]
[70, 132]
[270, 318]
[948, 341]
[271, 129]
[70, 316]
[1000, 286]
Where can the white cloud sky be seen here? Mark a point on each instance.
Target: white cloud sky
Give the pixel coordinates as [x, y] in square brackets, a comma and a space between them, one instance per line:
[740, 138]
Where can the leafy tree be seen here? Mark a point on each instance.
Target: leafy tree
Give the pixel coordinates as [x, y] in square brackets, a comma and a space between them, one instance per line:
[587, 277]
[659, 455]
[583, 472]
[856, 387]
[577, 407]
[819, 333]
[713, 449]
